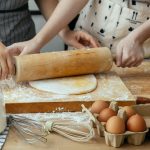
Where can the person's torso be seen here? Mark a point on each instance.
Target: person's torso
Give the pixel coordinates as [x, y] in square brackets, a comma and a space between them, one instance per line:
[16, 24]
[111, 20]
[12, 4]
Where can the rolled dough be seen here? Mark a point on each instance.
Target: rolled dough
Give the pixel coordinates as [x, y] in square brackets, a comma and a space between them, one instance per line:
[68, 85]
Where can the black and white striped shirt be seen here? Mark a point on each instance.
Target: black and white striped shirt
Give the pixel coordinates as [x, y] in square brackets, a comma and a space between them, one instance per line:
[16, 24]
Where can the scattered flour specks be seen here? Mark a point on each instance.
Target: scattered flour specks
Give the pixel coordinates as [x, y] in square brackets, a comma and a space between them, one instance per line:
[72, 116]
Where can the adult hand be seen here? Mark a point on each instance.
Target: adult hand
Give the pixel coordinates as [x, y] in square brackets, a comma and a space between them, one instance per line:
[129, 53]
[6, 63]
[22, 48]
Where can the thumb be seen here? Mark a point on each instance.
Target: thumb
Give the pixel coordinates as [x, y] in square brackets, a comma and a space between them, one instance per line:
[94, 43]
[33, 49]
[25, 51]
[119, 57]
[14, 50]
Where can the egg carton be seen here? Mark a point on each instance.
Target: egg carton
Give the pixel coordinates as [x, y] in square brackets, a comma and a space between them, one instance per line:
[100, 126]
[113, 105]
[143, 110]
[116, 140]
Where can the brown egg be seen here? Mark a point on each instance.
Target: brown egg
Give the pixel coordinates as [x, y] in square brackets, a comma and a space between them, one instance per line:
[129, 111]
[115, 125]
[106, 114]
[98, 106]
[136, 123]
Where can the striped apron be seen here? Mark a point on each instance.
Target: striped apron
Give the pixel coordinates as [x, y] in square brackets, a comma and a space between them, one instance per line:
[111, 20]
[16, 24]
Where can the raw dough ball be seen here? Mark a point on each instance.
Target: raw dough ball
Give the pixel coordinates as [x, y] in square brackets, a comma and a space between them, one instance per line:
[68, 85]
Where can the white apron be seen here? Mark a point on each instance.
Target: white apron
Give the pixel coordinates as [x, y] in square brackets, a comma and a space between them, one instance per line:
[111, 20]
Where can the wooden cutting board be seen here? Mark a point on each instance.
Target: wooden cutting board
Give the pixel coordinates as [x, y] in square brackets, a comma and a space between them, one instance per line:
[23, 98]
[136, 79]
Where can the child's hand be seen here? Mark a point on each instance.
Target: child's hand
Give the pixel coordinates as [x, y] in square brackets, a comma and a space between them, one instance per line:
[129, 53]
[79, 39]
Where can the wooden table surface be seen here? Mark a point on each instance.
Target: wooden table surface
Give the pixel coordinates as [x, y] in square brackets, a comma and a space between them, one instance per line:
[137, 80]
[57, 142]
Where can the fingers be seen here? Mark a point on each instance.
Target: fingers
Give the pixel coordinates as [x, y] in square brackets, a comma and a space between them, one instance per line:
[130, 62]
[10, 64]
[135, 63]
[14, 49]
[119, 56]
[4, 67]
[126, 60]
[87, 40]
[131, 59]
[92, 42]
[77, 45]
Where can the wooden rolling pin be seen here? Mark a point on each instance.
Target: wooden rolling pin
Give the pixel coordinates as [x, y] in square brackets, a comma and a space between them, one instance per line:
[62, 64]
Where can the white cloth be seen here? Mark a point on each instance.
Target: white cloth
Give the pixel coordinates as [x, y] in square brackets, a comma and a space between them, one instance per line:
[3, 137]
[111, 20]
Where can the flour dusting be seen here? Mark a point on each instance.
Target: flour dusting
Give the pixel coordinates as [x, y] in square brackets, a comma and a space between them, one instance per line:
[110, 87]
[72, 116]
[22, 92]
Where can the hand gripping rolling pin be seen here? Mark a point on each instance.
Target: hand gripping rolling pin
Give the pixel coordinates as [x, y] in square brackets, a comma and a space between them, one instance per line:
[62, 64]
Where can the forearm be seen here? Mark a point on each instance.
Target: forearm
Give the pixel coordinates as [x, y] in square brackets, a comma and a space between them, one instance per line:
[64, 31]
[142, 33]
[46, 7]
[65, 11]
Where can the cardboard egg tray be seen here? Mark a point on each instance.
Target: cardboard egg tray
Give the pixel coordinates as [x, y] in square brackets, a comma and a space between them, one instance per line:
[116, 140]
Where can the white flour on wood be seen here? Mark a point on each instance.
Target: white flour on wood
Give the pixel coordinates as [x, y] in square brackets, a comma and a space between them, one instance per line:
[22, 92]
[73, 116]
[110, 87]
[2, 115]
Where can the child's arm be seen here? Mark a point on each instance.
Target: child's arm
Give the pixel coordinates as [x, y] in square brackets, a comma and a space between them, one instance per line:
[65, 11]
[46, 7]
[76, 39]
[130, 51]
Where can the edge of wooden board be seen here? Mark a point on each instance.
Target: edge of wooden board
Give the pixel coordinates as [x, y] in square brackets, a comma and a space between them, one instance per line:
[45, 107]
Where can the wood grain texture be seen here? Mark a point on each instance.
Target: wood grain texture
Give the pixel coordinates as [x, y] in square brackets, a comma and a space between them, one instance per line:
[62, 64]
[137, 79]
[57, 142]
[26, 99]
